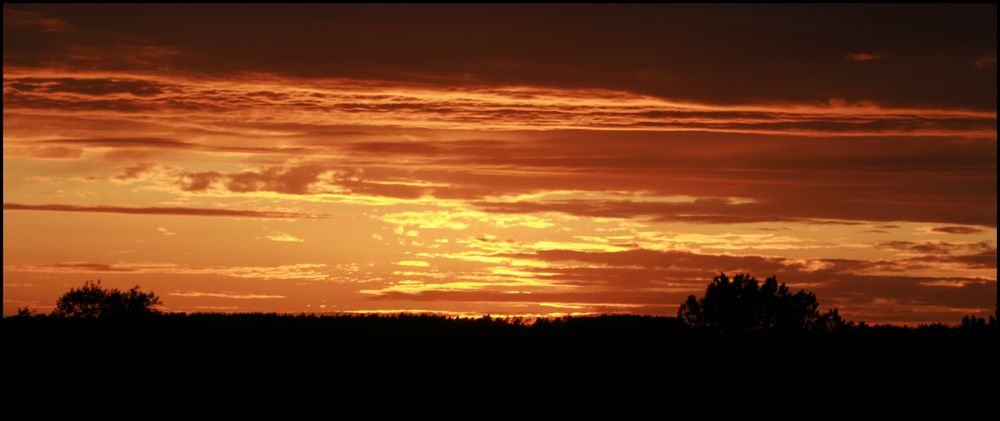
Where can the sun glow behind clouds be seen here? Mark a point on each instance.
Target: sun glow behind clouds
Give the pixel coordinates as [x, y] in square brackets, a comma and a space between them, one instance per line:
[264, 189]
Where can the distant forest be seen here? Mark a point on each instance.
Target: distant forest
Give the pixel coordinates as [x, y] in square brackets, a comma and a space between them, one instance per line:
[740, 331]
[730, 307]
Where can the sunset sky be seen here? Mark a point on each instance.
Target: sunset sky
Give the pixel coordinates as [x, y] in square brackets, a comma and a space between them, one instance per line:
[501, 159]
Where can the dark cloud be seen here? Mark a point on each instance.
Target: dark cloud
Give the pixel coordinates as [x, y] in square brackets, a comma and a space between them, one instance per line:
[939, 247]
[981, 255]
[94, 267]
[844, 283]
[394, 148]
[789, 178]
[182, 211]
[48, 152]
[799, 209]
[301, 179]
[666, 259]
[198, 181]
[134, 171]
[958, 230]
[897, 126]
[121, 143]
[901, 290]
[294, 180]
[18, 100]
[93, 87]
[862, 56]
[910, 314]
[863, 295]
[621, 297]
[491, 108]
[987, 62]
[782, 53]
[125, 142]
[398, 191]
[16, 18]
[982, 260]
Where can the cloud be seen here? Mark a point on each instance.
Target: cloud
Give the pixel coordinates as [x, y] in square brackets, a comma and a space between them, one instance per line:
[90, 87]
[303, 179]
[416, 263]
[46, 152]
[224, 294]
[272, 99]
[664, 259]
[644, 276]
[974, 256]
[294, 180]
[800, 209]
[124, 142]
[979, 255]
[788, 178]
[565, 141]
[15, 18]
[622, 297]
[986, 62]
[198, 181]
[862, 56]
[88, 267]
[958, 230]
[299, 271]
[928, 41]
[283, 238]
[183, 211]
[793, 161]
[981, 260]
[394, 148]
[134, 171]
[939, 247]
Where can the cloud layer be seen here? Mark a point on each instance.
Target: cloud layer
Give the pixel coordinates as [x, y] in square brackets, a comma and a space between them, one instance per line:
[850, 150]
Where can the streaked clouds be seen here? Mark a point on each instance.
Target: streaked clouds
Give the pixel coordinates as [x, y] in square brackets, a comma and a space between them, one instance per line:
[507, 171]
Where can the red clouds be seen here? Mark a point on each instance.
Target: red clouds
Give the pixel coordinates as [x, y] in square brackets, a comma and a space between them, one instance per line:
[183, 211]
[862, 136]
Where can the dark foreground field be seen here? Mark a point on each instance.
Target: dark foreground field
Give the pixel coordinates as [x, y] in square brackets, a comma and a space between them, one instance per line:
[408, 355]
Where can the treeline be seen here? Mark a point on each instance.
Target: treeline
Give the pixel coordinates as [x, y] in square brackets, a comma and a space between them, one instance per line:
[738, 330]
[491, 360]
[422, 324]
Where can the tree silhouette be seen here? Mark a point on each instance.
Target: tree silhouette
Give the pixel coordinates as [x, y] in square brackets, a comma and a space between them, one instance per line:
[970, 322]
[742, 306]
[92, 300]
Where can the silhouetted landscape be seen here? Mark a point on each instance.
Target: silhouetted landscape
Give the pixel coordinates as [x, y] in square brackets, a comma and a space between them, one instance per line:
[740, 331]
[675, 210]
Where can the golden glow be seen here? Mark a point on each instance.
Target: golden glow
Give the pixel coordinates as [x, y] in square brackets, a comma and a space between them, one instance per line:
[267, 192]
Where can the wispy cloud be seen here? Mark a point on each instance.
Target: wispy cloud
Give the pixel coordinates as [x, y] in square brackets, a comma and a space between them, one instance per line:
[417, 263]
[304, 101]
[224, 294]
[300, 271]
[284, 238]
[158, 211]
[957, 230]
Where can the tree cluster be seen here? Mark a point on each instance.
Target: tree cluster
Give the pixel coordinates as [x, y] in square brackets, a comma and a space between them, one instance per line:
[742, 306]
[94, 301]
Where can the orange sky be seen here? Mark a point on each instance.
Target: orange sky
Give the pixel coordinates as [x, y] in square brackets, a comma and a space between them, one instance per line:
[318, 165]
